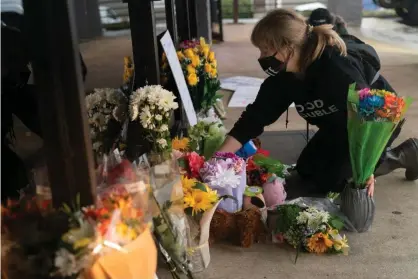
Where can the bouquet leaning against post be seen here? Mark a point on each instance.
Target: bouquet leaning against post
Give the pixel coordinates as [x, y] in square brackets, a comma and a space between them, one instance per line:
[200, 203]
[372, 117]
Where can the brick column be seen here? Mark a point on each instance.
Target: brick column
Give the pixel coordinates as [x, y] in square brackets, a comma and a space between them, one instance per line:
[350, 10]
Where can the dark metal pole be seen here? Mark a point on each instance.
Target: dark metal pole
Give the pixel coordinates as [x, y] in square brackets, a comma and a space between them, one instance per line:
[170, 14]
[144, 42]
[183, 21]
[57, 72]
[193, 18]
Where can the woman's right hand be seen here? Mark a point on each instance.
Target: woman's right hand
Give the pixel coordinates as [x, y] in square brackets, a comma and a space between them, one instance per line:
[230, 145]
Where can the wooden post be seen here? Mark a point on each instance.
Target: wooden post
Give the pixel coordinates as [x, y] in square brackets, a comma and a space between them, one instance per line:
[57, 72]
[235, 11]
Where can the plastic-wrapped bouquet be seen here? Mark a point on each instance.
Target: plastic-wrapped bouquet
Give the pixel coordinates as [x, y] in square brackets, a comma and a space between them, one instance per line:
[200, 203]
[225, 172]
[309, 229]
[107, 110]
[200, 70]
[372, 118]
[207, 136]
[152, 106]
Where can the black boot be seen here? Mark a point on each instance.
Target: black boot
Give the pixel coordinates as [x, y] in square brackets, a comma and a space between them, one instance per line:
[403, 156]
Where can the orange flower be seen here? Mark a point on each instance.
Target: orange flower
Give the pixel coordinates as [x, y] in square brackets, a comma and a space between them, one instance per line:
[319, 243]
[390, 101]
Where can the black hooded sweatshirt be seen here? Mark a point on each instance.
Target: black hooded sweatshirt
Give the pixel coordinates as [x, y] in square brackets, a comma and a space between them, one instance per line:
[320, 97]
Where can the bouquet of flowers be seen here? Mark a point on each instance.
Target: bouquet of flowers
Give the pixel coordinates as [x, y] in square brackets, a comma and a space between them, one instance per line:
[207, 136]
[191, 163]
[200, 70]
[75, 242]
[372, 118]
[225, 172]
[152, 106]
[107, 110]
[200, 203]
[309, 229]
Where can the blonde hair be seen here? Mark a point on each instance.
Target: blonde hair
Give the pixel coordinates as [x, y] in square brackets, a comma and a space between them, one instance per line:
[285, 29]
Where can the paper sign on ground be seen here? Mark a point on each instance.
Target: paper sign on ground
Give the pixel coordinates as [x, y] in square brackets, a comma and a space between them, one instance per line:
[233, 83]
[244, 96]
[175, 66]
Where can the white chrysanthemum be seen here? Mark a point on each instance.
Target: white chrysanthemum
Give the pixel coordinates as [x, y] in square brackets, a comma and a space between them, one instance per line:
[66, 263]
[158, 117]
[97, 145]
[166, 101]
[313, 218]
[162, 142]
[164, 128]
[145, 117]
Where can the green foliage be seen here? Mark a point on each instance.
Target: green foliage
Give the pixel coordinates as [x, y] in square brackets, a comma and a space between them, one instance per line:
[245, 9]
[287, 215]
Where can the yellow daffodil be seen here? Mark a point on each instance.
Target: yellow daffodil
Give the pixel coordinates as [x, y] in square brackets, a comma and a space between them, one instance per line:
[180, 144]
[319, 243]
[192, 79]
[190, 69]
[198, 201]
[214, 64]
[211, 56]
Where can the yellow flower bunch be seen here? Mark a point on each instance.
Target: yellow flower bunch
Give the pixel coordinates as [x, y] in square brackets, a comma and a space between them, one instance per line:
[180, 144]
[128, 69]
[322, 242]
[198, 197]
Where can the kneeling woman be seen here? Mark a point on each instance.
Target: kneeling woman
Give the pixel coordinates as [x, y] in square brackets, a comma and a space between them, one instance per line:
[312, 67]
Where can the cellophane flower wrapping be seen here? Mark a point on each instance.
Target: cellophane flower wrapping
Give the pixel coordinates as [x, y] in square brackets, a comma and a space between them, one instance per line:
[200, 203]
[199, 66]
[170, 222]
[207, 135]
[123, 246]
[107, 110]
[226, 174]
[309, 229]
[372, 118]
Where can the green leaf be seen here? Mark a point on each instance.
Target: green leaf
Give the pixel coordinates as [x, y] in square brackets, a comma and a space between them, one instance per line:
[200, 186]
[78, 201]
[182, 163]
[336, 223]
[219, 96]
[66, 208]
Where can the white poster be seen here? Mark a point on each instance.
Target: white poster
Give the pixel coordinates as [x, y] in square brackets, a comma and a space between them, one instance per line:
[232, 83]
[175, 66]
[245, 95]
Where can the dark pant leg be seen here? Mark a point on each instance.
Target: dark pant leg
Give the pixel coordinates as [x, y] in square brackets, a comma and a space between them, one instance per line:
[323, 166]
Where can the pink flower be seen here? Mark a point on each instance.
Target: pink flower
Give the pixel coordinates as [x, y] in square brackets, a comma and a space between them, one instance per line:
[363, 93]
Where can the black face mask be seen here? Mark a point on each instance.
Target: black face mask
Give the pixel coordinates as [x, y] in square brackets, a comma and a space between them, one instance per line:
[271, 65]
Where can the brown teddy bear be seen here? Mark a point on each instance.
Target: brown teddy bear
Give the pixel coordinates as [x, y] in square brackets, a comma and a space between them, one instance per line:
[241, 228]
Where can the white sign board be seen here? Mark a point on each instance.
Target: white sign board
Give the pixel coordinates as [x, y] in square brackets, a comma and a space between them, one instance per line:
[175, 66]
[245, 95]
[232, 83]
